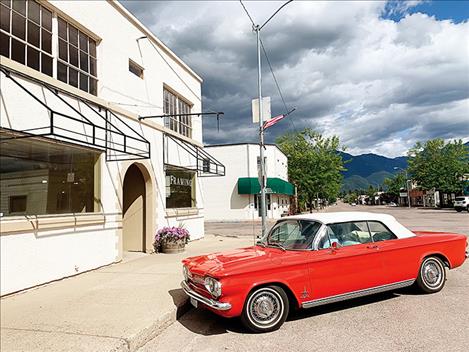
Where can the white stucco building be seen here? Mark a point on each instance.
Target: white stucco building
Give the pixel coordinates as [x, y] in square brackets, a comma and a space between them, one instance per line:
[236, 195]
[83, 178]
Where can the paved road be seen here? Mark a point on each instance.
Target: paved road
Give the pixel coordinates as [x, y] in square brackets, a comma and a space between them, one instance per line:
[414, 218]
[397, 321]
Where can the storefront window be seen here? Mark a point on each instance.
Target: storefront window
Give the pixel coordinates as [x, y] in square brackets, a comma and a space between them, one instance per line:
[180, 189]
[38, 177]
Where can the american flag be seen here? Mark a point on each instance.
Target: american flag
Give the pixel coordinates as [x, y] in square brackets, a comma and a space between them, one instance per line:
[273, 121]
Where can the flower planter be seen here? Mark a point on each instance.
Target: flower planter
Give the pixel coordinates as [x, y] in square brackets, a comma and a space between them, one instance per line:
[177, 246]
[171, 239]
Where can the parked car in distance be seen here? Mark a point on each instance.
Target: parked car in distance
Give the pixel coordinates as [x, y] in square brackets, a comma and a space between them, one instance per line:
[461, 203]
[314, 259]
[353, 204]
[392, 204]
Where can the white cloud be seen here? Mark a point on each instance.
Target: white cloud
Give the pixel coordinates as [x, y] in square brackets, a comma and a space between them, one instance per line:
[378, 84]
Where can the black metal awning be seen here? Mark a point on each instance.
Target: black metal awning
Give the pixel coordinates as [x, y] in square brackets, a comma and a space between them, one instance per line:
[179, 153]
[50, 113]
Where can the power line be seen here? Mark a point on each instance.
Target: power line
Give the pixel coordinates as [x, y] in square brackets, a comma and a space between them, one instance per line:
[247, 13]
[276, 83]
[281, 7]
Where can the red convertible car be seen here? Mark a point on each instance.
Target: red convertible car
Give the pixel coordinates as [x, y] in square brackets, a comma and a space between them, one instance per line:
[310, 260]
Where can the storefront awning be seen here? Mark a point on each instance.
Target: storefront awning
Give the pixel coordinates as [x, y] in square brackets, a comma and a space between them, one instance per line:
[179, 153]
[32, 108]
[275, 185]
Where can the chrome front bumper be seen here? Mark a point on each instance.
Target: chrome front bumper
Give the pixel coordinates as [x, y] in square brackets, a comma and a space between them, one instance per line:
[207, 301]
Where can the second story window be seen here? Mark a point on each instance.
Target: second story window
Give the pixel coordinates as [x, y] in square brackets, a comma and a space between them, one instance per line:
[26, 34]
[77, 58]
[174, 105]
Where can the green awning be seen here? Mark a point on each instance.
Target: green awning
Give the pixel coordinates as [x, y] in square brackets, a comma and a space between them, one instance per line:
[250, 185]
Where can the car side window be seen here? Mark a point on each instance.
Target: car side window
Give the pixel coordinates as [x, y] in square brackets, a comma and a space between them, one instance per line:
[380, 232]
[349, 233]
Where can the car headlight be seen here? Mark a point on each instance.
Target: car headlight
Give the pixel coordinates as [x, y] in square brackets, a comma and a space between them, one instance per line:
[213, 286]
[185, 272]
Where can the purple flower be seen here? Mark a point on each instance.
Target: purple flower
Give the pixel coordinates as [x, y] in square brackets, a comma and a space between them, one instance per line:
[171, 234]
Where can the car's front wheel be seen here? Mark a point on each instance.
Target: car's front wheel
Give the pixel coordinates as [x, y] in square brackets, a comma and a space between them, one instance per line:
[266, 309]
[432, 275]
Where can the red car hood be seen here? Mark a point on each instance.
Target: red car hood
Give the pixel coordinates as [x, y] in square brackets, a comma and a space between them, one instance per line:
[240, 260]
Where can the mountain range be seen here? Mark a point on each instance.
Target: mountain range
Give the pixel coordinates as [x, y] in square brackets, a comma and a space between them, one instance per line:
[370, 169]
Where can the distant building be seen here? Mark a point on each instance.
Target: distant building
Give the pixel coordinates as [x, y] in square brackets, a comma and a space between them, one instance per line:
[236, 196]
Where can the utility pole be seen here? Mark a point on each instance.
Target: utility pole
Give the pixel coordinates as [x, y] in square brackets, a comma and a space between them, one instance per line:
[257, 28]
[261, 130]
[407, 184]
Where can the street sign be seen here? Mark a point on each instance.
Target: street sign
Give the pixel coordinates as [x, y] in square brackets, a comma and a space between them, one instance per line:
[266, 113]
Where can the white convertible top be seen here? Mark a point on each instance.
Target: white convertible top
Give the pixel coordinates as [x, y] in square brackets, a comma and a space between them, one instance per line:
[330, 218]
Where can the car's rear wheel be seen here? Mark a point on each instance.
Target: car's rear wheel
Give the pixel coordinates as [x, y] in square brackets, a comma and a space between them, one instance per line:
[432, 275]
[266, 309]
[459, 210]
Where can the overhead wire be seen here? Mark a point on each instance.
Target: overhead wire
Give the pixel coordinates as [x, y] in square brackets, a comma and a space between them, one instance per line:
[278, 86]
[267, 57]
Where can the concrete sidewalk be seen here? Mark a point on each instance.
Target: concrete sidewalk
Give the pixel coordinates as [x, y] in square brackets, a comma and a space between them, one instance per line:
[116, 308]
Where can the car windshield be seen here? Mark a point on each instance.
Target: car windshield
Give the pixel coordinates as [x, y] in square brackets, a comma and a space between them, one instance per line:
[292, 234]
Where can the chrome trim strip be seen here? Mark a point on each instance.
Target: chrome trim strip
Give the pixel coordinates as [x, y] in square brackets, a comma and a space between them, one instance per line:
[355, 294]
[207, 301]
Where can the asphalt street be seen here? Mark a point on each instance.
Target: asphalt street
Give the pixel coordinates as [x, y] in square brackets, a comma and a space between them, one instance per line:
[401, 320]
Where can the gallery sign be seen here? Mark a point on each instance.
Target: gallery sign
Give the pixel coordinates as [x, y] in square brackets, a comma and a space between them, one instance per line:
[180, 189]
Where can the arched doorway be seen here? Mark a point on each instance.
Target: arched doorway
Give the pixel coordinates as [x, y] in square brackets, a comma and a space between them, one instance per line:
[134, 210]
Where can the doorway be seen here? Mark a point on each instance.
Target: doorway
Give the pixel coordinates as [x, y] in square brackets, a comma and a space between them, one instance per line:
[134, 210]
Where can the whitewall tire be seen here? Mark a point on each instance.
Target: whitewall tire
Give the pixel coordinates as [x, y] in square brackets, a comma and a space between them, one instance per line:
[265, 309]
[432, 275]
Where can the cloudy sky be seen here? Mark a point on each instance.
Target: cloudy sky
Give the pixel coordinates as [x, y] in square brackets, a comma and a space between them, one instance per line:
[381, 75]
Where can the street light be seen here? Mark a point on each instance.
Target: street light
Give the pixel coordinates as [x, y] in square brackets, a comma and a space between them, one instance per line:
[257, 28]
[406, 183]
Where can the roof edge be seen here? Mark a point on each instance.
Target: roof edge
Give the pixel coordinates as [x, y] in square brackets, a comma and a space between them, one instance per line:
[151, 36]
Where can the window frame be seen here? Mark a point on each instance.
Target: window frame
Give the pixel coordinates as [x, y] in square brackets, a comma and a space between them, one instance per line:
[387, 229]
[41, 28]
[78, 67]
[319, 236]
[55, 62]
[94, 169]
[173, 104]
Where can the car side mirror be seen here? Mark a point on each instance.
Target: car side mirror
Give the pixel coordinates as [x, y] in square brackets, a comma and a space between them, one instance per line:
[334, 246]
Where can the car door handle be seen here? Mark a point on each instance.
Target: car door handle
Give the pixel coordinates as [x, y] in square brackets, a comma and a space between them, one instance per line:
[374, 246]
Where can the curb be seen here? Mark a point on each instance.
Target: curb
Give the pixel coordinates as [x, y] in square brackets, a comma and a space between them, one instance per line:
[139, 339]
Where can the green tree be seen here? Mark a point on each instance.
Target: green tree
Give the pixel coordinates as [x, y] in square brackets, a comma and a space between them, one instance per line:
[439, 165]
[314, 165]
[394, 185]
[351, 197]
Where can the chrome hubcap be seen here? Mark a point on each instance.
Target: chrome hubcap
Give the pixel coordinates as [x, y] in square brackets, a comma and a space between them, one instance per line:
[432, 274]
[265, 307]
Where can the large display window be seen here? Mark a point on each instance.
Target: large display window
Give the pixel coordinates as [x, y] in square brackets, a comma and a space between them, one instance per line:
[39, 177]
[180, 189]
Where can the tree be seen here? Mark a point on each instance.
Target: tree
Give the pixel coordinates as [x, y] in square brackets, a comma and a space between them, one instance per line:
[394, 185]
[314, 165]
[439, 165]
[351, 197]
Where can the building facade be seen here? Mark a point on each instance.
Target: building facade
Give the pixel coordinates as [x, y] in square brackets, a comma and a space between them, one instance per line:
[236, 196]
[89, 167]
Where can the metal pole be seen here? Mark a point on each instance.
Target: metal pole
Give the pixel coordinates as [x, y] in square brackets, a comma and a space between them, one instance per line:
[408, 187]
[261, 131]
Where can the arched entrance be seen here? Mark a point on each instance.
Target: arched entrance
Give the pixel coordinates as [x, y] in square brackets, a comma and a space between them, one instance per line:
[134, 210]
